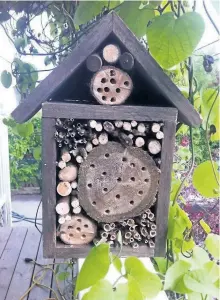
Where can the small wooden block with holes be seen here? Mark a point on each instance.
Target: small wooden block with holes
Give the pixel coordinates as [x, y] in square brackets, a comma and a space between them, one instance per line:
[80, 230]
[111, 86]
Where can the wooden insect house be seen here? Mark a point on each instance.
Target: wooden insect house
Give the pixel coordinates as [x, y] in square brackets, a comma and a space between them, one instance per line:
[109, 121]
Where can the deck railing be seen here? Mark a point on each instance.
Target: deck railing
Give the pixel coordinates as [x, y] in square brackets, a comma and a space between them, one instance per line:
[5, 191]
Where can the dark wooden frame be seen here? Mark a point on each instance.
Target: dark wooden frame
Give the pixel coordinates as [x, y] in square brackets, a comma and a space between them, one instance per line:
[51, 111]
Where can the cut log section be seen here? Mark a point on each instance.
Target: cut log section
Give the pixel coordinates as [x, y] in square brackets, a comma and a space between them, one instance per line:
[65, 155]
[94, 63]
[61, 164]
[63, 206]
[104, 175]
[126, 61]
[111, 53]
[64, 188]
[80, 230]
[69, 173]
[111, 86]
[154, 147]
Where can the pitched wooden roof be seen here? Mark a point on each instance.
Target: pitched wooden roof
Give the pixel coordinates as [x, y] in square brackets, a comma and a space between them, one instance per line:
[147, 66]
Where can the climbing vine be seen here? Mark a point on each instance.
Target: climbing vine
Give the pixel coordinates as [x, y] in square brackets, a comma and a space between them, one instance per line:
[171, 31]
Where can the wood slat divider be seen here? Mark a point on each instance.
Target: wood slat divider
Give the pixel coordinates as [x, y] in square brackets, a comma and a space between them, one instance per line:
[4, 236]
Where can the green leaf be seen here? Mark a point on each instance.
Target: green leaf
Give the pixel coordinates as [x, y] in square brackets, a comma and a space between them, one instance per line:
[198, 259]
[95, 267]
[4, 16]
[198, 281]
[101, 289]
[21, 24]
[204, 179]
[87, 10]
[117, 263]
[212, 243]
[161, 263]
[6, 79]
[149, 283]
[121, 292]
[25, 129]
[9, 122]
[57, 269]
[208, 97]
[172, 40]
[174, 277]
[178, 222]
[205, 226]
[63, 276]
[129, 12]
[194, 296]
[37, 153]
[20, 43]
[212, 271]
[135, 291]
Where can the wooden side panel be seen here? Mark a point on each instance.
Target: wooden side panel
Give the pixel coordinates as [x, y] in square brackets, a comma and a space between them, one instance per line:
[49, 186]
[83, 111]
[23, 272]
[10, 257]
[164, 187]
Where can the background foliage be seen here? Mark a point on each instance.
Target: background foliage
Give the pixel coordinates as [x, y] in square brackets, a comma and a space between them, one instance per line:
[170, 31]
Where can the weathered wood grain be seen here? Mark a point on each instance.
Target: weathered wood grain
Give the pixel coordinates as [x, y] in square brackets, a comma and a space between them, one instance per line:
[105, 112]
[10, 257]
[4, 236]
[49, 186]
[23, 272]
[164, 187]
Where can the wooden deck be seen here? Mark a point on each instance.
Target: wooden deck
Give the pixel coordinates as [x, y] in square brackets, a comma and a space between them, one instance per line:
[16, 275]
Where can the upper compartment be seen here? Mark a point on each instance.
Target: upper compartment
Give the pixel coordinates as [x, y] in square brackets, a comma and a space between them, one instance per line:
[71, 79]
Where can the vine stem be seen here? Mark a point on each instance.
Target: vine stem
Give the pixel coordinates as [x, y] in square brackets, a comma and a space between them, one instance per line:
[117, 280]
[207, 135]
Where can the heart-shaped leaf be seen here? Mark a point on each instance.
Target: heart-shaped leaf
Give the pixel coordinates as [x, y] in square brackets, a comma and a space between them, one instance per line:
[172, 40]
[212, 243]
[135, 18]
[149, 283]
[204, 180]
[95, 267]
[6, 79]
[102, 289]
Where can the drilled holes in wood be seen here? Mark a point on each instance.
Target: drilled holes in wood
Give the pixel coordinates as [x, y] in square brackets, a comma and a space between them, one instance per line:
[111, 86]
[117, 180]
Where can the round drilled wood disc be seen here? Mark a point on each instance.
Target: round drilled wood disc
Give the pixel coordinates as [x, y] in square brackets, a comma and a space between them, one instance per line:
[79, 230]
[111, 86]
[117, 183]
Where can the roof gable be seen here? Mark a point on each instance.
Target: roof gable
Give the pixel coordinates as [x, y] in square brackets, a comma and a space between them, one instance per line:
[147, 66]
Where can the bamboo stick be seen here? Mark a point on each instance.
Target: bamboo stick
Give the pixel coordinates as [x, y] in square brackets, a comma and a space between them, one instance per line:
[94, 63]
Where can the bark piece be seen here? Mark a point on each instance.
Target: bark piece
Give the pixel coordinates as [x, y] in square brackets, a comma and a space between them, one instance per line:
[64, 188]
[69, 173]
[94, 63]
[80, 230]
[63, 206]
[111, 86]
[126, 61]
[104, 175]
[111, 53]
